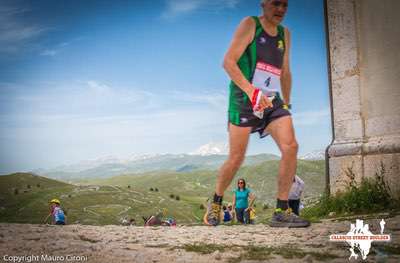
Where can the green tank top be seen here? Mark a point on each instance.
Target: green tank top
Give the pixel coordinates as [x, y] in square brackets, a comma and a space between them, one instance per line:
[239, 102]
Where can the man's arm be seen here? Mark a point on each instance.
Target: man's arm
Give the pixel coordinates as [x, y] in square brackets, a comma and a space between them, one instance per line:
[286, 75]
[242, 38]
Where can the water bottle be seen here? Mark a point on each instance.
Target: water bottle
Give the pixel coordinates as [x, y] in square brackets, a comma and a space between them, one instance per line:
[255, 101]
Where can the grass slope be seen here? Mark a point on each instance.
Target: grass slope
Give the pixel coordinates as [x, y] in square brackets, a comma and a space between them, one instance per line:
[24, 197]
[194, 188]
[106, 201]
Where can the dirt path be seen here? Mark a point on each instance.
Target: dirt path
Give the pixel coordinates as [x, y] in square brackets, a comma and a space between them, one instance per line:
[255, 243]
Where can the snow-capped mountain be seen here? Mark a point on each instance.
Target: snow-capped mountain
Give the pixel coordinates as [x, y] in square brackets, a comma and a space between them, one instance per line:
[314, 155]
[211, 149]
[110, 166]
[140, 157]
[87, 164]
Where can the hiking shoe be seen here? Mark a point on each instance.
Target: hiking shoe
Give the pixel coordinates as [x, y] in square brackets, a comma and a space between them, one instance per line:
[213, 215]
[287, 218]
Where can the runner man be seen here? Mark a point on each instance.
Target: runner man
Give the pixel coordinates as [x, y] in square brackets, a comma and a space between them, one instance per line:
[258, 64]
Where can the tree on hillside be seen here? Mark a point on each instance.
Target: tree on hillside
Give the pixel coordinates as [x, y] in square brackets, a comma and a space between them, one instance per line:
[177, 198]
[16, 191]
[129, 186]
[28, 186]
[172, 195]
[38, 185]
[151, 189]
[156, 189]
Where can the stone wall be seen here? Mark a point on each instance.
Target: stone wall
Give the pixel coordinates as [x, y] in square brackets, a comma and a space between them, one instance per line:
[364, 50]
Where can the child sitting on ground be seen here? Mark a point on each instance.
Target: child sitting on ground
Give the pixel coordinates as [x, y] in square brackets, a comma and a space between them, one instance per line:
[252, 215]
[227, 214]
[56, 212]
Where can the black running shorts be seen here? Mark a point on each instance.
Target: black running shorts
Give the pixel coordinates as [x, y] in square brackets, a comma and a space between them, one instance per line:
[248, 119]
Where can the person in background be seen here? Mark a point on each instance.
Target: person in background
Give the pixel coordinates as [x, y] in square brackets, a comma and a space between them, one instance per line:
[124, 221]
[132, 222]
[56, 213]
[227, 214]
[295, 194]
[231, 212]
[252, 215]
[241, 198]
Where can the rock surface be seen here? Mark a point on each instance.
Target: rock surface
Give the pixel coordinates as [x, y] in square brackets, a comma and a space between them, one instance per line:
[253, 243]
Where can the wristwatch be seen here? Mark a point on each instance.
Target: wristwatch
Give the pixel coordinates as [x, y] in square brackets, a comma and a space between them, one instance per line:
[287, 106]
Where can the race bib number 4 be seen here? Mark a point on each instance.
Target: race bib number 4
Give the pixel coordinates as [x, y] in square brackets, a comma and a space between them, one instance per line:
[267, 78]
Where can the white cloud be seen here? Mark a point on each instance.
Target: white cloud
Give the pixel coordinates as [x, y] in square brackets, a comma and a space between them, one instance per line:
[308, 118]
[49, 52]
[103, 94]
[60, 124]
[77, 98]
[179, 7]
[95, 98]
[83, 119]
[213, 99]
[15, 33]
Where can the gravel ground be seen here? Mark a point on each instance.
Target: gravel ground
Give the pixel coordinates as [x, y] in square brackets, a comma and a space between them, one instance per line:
[254, 243]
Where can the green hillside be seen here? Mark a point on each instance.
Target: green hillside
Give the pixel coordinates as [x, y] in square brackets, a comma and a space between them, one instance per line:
[195, 187]
[88, 204]
[262, 178]
[24, 197]
[107, 201]
[22, 180]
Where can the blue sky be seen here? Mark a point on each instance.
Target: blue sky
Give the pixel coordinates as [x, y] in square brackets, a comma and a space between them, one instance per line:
[86, 79]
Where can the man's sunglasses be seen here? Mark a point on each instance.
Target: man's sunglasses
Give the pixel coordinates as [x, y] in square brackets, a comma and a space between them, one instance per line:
[279, 3]
[241, 183]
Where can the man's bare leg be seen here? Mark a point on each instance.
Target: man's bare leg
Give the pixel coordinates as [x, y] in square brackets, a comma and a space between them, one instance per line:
[282, 132]
[238, 140]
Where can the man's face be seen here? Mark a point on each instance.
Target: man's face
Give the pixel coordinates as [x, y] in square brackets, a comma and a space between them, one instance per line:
[275, 10]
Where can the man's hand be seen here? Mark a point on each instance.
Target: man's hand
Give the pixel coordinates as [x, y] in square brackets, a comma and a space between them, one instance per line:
[263, 102]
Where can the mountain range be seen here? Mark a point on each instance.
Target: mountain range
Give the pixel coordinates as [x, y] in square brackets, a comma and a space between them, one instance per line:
[314, 155]
[110, 166]
[208, 157]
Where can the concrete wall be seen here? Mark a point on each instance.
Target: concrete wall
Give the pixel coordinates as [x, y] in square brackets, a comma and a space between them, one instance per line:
[364, 47]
